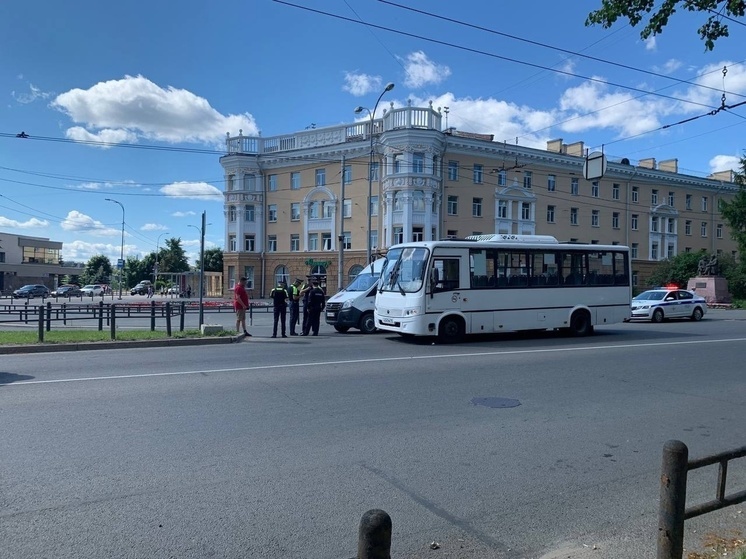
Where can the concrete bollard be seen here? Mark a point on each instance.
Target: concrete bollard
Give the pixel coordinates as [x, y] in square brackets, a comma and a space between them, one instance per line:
[374, 535]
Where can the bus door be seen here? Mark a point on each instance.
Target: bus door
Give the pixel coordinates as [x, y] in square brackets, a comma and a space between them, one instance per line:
[443, 288]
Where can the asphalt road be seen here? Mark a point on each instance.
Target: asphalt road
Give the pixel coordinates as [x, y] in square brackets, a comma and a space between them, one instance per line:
[502, 447]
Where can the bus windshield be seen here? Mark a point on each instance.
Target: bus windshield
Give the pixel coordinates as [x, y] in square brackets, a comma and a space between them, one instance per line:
[407, 273]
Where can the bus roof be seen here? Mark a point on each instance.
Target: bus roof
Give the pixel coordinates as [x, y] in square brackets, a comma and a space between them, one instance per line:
[525, 241]
[502, 237]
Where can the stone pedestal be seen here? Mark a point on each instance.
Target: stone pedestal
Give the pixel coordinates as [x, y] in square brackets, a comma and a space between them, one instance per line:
[713, 288]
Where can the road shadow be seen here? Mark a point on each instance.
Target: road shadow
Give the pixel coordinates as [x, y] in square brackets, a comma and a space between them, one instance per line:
[10, 378]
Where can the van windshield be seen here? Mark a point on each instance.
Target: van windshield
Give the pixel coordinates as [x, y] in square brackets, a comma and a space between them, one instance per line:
[362, 282]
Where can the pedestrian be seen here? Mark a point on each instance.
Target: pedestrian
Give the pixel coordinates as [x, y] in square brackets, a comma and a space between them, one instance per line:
[305, 290]
[316, 304]
[279, 296]
[150, 291]
[294, 305]
[189, 291]
[240, 304]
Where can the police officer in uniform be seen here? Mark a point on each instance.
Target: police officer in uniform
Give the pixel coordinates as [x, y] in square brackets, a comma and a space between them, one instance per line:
[316, 304]
[279, 296]
[294, 306]
[305, 290]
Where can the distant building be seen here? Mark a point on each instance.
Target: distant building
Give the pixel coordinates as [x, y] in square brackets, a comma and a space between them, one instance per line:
[26, 260]
[283, 198]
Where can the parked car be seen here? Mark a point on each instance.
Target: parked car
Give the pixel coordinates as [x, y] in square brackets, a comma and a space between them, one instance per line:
[92, 290]
[174, 290]
[67, 291]
[141, 288]
[32, 290]
[658, 305]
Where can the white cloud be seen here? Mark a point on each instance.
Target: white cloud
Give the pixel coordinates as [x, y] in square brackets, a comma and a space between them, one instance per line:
[361, 84]
[725, 163]
[153, 227]
[33, 94]
[193, 190]
[118, 110]
[77, 221]
[712, 77]
[669, 67]
[650, 43]
[421, 71]
[183, 214]
[82, 251]
[30, 224]
[106, 136]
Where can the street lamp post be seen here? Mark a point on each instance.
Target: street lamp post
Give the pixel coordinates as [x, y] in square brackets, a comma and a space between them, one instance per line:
[358, 110]
[120, 264]
[155, 269]
[201, 266]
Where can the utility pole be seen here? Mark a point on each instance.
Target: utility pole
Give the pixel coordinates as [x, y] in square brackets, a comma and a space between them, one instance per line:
[341, 237]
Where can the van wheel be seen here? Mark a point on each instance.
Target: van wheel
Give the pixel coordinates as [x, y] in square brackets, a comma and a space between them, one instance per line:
[580, 324]
[341, 329]
[367, 323]
[451, 330]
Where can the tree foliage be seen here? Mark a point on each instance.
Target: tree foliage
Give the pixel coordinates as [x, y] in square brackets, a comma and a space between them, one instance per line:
[97, 270]
[213, 260]
[677, 270]
[172, 257]
[715, 27]
[734, 211]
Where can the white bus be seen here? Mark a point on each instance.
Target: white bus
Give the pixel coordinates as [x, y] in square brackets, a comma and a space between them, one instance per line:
[502, 283]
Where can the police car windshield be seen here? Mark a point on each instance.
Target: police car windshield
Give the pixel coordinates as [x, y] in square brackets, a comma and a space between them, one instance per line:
[362, 282]
[651, 296]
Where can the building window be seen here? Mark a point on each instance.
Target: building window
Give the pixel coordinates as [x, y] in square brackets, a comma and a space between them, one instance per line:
[476, 207]
[671, 199]
[502, 178]
[550, 214]
[527, 178]
[373, 205]
[551, 183]
[354, 272]
[320, 177]
[249, 183]
[453, 170]
[573, 216]
[615, 191]
[574, 187]
[704, 203]
[418, 162]
[615, 220]
[594, 218]
[452, 234]
[249, 243]
[2, 257]
[654, 224]
[634, 222]
[418, 201]
[248, 213]
[688, 201]
[295, 211]
[347, 174]
[453, 205]
[688, 227]
[294, 243]
[374, 171]
[248, 272]
[417, 234]
[478, 174]
[374, 239]
[272, 183]
[232, 243]
[634, 279]
[671, 228]
[295, 180]
[347, 240]
[654, 251]
[231, 213]
[282, 275]
[272, 243]
[313, 210]
[272, 213]
[525, 211]
[398, 163]
[398, 235]
[502, 209]
[313, 241]
[229, 182]
[719, 231]
[669, 251]
[347, 208]
[328, 207]
[635, 194]
[635, 250]
[594, 189]
[703, 229]
[687, 249]
[654, 196]
[326, 241]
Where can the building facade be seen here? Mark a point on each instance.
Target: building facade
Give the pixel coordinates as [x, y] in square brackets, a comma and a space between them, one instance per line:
[25, 260]
[299, 205]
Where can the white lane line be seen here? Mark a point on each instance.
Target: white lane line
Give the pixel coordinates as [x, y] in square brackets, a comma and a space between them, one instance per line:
[374, 360]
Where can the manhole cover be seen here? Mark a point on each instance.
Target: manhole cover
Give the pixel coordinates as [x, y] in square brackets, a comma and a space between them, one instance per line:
[493, 402]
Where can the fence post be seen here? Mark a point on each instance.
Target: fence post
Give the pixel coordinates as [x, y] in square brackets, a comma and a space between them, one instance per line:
[672, 500]
[25, 311]
[374, 535]
[64, 314]
[100, 316]
[152, 316]
[251, 314]
[168, 318]
[41, 323]
[182, 313]
[113, 321]
[49, 315]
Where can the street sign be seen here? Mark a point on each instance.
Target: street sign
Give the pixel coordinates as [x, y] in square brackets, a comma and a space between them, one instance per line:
[120, 263]
[594, 166]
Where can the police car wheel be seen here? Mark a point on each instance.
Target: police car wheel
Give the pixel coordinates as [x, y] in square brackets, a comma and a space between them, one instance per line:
[697, 314]
[657, 316]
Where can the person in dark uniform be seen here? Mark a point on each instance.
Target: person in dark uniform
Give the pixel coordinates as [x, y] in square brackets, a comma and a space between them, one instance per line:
[279, 296]
[294, 306]
[316, 304]
[305, 290]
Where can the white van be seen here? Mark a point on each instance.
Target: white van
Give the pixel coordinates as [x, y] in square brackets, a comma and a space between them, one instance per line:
[353, 306]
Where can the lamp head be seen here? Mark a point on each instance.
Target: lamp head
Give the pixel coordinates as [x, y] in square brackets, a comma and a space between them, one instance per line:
[389, 86]
[359, 110]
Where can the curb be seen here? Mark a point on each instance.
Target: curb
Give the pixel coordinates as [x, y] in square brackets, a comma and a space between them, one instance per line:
[135, 344]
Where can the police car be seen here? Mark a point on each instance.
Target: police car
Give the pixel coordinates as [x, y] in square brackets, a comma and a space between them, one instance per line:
[658, 305]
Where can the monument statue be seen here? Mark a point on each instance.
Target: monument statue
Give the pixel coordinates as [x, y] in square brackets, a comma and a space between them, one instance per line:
[709, 267]
[702, 266]
[709, 283]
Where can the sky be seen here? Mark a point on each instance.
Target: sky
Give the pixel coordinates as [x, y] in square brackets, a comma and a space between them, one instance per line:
[132, 100]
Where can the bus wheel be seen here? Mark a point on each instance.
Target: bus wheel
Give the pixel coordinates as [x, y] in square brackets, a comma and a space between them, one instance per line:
[451, 330]
[341, 329]
[367, 323]
[580, 324]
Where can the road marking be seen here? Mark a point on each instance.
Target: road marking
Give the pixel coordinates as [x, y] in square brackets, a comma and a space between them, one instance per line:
[373, 360]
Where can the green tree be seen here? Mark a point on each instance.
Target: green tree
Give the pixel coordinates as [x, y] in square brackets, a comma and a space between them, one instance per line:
[213, 260]
[97, 270]
[636, 10]
[677, 270]
[134, 271]
[172, 257]
[734, 211]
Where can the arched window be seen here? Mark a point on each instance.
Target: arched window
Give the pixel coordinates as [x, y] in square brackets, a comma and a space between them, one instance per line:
[318, 270]
[354, 271]
[282, 274]
[418, 201]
